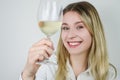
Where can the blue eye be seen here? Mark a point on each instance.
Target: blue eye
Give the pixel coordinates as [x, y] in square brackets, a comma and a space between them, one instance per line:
[65, 28]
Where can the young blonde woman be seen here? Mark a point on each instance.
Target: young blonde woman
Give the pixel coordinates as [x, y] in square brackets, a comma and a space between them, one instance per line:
[81, 54]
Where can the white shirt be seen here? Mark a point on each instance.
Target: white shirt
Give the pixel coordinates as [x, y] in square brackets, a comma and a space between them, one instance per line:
[47, 72]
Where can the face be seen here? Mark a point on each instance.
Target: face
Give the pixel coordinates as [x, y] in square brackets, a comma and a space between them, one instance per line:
[75, 36]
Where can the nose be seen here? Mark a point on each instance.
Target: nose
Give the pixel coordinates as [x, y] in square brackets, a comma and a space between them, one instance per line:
[72, 33]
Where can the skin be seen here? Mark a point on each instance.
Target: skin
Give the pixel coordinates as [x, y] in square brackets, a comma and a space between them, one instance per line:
[37, 53]
[76, 39]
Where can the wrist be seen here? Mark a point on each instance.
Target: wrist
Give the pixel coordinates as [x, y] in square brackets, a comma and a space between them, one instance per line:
[27, 77]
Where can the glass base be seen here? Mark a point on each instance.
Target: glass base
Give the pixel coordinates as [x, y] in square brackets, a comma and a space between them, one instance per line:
[52, 60]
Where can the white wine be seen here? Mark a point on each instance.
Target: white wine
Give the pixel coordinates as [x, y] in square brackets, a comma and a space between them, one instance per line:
[50, 27]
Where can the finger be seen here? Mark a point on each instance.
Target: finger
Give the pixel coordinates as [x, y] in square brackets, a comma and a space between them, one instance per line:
[44, 42]
[44, 54]
[48, 50]
[38, 58]
[35, 56]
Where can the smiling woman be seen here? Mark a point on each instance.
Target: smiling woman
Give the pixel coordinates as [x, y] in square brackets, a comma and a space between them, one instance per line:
[81, 52]
[75, 35]
[90, 49]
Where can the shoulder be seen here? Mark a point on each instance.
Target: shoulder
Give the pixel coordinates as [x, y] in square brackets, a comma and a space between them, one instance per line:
[112, 73]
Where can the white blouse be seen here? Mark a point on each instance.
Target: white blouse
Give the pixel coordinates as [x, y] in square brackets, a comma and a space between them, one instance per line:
[47, 72]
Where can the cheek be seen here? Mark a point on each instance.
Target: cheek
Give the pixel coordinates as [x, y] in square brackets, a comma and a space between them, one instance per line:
[63, 36]
[88, 40]
[86, 37]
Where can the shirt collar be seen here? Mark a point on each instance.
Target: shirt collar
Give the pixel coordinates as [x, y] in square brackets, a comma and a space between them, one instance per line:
[71, 75]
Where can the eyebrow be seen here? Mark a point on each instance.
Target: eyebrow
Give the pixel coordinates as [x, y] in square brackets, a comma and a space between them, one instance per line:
[74, 23]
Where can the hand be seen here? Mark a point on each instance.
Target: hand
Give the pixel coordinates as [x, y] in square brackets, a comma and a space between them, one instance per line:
[37, 53]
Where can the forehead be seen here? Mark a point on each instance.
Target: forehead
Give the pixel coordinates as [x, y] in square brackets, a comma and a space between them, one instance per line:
[71, 16]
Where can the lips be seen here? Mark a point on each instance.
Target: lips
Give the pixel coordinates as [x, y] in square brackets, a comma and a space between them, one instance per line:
[74, 44]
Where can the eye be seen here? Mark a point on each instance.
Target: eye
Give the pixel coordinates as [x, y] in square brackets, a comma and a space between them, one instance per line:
[79, 27]
[65, 28]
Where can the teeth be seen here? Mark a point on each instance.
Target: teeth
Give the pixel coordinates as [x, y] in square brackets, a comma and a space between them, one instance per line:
[75, 43]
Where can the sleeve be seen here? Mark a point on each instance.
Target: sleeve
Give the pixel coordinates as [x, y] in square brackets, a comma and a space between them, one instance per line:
[41, 73]
[20, 77]
[112, 73]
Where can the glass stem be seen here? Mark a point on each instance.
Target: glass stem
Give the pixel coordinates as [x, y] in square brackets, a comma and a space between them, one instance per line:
[48, 36]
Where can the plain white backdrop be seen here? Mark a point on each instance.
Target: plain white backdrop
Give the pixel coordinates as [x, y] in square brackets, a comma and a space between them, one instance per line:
[19, 30]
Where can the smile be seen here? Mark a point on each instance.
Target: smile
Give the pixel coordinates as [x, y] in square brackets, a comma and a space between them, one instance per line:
[74, 44]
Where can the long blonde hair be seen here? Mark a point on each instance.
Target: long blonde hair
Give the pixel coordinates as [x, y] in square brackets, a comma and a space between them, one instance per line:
[98, 56]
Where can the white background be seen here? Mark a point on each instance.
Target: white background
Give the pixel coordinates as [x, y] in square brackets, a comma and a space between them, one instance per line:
[19, 30]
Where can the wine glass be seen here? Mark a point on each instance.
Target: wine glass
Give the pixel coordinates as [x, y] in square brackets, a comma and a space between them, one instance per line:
[49, 19]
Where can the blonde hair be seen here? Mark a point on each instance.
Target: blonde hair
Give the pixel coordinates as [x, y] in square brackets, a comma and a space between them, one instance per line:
[98, 57]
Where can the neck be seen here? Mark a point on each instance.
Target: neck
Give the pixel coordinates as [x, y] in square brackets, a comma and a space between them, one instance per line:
[78, 63]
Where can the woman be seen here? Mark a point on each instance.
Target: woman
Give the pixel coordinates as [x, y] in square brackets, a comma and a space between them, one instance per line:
[81, 54]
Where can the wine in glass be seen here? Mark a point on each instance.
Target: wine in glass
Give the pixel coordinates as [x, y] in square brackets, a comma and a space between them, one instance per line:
[49, 18]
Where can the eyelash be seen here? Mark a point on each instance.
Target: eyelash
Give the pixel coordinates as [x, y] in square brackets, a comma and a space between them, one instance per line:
[65, 28]
[79, 27]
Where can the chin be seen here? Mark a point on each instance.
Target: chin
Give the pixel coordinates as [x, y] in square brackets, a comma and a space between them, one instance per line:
[73, 52]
